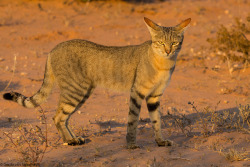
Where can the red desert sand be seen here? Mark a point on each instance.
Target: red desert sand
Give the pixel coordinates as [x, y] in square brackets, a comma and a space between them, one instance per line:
[30, 29]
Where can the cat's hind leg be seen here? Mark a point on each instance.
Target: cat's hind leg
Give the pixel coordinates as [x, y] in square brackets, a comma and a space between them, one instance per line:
[68, 104]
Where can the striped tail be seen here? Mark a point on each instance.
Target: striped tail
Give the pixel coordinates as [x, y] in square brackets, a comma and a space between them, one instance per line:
[40, 96]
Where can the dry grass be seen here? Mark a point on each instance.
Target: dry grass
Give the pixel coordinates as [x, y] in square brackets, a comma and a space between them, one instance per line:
[231, 44]
[13, 73]
[181, 122]
[208, 122]
[29, 142]
[234, 155]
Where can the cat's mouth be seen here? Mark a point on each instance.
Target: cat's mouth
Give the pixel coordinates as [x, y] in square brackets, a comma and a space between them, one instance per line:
[169, 55]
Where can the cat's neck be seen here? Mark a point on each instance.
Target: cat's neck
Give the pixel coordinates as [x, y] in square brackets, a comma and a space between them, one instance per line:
[160, 62]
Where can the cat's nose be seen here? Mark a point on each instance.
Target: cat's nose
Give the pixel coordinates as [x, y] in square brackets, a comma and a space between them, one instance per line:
[167, 49]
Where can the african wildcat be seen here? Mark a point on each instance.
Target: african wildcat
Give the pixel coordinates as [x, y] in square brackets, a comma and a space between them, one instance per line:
[78, 66]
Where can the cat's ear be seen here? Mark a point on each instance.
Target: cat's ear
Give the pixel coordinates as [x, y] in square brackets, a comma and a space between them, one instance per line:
[182, 27]
[152, 27]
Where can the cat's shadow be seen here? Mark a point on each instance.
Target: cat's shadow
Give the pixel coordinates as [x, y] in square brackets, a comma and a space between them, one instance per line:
[12, 85]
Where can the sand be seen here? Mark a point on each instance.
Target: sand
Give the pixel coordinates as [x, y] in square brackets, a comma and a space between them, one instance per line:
[30, 29]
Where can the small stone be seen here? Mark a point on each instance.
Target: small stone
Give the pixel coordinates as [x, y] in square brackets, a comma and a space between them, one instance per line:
[217, 66]
[192, 50]
[236, 65]
[23, 73]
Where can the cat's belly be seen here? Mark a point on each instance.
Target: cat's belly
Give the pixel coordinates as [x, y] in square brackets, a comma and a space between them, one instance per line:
[118, 86]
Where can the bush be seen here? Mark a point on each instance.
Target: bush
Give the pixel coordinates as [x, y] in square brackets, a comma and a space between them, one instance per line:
[231, 44]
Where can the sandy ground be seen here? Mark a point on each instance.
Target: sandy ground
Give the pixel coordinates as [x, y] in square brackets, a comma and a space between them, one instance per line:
[30, 29]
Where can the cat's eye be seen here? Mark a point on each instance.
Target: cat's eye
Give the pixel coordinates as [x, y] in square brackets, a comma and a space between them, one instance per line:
[160, 42]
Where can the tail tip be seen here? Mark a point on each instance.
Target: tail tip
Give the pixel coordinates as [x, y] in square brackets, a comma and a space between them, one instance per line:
[8, 96]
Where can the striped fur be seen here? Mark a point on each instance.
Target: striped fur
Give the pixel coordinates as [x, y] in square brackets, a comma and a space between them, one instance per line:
[78, 66]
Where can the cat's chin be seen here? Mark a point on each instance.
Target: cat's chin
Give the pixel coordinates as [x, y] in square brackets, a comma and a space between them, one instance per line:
[168, 56]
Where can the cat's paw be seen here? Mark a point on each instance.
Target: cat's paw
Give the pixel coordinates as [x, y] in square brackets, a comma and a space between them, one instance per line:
[164, 143]
[76, 141]
[132, 146]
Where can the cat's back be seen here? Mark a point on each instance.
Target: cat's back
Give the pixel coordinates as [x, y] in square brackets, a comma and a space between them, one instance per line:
[84, 46]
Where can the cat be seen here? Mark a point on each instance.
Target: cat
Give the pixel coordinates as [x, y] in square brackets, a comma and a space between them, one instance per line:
[78, 66]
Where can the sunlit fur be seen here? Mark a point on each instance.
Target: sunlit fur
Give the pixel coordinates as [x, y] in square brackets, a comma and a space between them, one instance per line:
[79, 66]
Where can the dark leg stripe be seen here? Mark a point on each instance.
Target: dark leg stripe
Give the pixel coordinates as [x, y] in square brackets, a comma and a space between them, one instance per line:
[153, 106]
[72, 79]
[133, 112]
[72, 86]
[69, 102]
[74, 97]
[172, 69]
[64, 112]
[131, 123]
[135, 103]
[154, 122]
[140, 95]
[80, 83]
[69, 89]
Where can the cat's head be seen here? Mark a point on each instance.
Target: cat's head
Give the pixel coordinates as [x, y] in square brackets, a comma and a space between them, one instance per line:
[167, 41]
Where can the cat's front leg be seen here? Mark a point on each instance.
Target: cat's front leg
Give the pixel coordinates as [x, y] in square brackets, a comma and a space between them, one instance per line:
[133, 118]
[153, 104]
